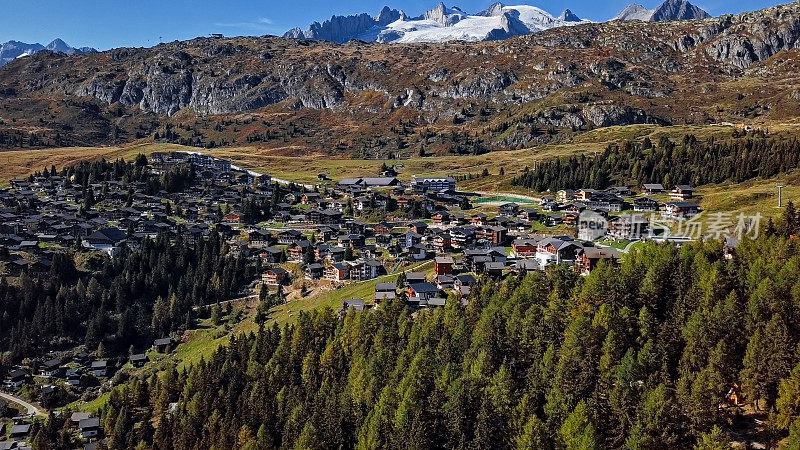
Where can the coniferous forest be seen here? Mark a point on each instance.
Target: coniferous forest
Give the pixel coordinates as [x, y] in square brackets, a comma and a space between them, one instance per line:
[126, 301]
[644, 356]
[690, 161]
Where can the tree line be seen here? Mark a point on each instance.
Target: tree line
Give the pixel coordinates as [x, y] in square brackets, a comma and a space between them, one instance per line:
[689, 161]
[85, 173]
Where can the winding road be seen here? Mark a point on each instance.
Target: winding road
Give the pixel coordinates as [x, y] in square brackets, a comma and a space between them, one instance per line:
[31, 409]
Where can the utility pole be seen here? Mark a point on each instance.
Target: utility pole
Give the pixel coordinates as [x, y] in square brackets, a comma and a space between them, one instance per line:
[780, 195]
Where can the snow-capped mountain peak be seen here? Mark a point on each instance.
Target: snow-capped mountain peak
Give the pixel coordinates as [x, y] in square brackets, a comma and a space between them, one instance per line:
[440, 24]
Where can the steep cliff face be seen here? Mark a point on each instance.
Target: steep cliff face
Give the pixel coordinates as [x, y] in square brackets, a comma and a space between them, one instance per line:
[576, 78]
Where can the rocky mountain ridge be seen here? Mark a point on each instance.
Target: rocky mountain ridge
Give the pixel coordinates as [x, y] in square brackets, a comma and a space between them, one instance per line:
[509, 93]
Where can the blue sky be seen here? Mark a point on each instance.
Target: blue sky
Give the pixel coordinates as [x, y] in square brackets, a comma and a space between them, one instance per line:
[105, 24]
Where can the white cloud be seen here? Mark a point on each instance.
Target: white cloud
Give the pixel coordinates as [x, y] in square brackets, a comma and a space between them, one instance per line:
[262, 24]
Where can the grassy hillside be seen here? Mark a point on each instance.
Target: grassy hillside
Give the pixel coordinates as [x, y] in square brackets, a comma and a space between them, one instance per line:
[333, 298]
[20, 163]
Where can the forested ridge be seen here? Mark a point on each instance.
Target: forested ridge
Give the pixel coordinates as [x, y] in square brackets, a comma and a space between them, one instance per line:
[690, 161]
[641, 356]
[126, 301]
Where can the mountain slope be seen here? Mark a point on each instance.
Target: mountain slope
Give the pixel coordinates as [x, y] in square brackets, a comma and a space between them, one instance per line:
[368, 99]
[669, 10]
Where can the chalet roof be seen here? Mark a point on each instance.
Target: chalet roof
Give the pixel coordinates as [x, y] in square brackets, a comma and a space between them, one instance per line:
[350, 181]
[494, 265]
[78, 416]
[684, 205]
[424, 179]
[415, 276]
[525, 241]
[423, 288]
[601, 252]
[557, 244]
[112, 234]
[356, 303]
[385, 287]
[21, 429]
[52, 363]
[91, 422]
[527, 264]
[17, 374]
